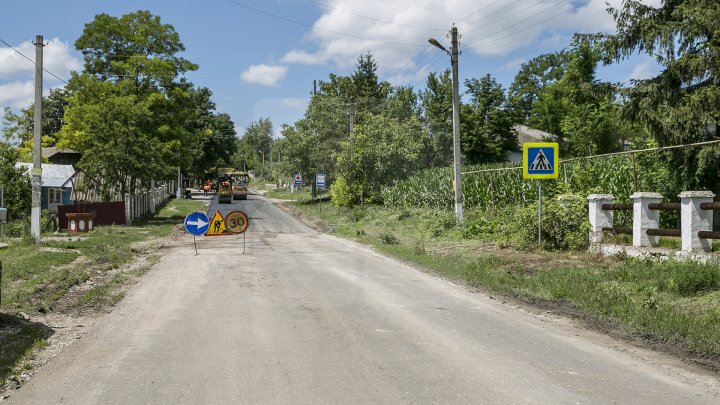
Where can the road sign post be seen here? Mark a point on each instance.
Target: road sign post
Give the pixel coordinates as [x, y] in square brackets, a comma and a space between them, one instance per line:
[540, 162]
[196, 223]
[297, 182]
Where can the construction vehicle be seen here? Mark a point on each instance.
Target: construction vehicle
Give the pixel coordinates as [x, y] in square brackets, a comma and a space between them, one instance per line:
[224, 192]
[240, 185]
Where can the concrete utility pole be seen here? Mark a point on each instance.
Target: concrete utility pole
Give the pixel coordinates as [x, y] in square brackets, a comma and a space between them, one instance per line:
[36, 171]
[457, 176]
[456, 127]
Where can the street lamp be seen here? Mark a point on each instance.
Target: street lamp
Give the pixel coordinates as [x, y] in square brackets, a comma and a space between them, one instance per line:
[456, 121]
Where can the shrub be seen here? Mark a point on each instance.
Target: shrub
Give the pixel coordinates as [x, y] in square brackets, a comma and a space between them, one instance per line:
[565, 226]
[388, 238]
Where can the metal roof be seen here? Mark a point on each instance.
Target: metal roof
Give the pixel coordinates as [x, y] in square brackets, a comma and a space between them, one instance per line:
[52, 175]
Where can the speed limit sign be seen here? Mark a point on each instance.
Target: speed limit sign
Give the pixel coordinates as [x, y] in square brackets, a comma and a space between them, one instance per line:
[236, 222]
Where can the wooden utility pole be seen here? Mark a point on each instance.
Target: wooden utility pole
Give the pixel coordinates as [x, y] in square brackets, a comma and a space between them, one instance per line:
[36, 171]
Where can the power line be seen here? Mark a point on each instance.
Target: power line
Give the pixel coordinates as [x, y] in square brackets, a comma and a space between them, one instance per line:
[518, 31]
[32, 61]
[521, 10]
[279, 17]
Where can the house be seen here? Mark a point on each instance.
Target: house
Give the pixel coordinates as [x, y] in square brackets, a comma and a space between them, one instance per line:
[61, 156]
[53, 177]
[526, 134]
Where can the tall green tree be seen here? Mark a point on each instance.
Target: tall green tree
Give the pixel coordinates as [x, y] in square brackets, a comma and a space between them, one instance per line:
[379, 151]
[486, 122]
[532, 79]
[436, 101]
[255, 145]
[129, 109]
[678, 105]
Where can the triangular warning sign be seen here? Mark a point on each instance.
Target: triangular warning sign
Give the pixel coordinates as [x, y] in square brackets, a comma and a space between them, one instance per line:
[217, 226]
[541, 162]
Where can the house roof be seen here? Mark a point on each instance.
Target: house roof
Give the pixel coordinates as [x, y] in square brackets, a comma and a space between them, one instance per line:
[52, 151]
[526, 134]
[52, 175]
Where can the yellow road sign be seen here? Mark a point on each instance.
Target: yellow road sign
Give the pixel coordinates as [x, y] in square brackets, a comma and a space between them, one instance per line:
[217, 226]
[236, 221]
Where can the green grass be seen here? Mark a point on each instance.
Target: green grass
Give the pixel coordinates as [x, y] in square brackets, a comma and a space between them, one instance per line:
[285, 194]
[669, 302]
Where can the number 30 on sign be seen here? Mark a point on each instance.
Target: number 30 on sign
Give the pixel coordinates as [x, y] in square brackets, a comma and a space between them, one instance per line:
[236, 222]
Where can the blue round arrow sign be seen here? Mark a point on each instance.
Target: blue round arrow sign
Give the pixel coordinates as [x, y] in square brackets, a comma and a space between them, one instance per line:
[197, 223]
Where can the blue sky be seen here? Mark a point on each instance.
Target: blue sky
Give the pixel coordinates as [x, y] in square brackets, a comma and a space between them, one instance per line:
[259, 58]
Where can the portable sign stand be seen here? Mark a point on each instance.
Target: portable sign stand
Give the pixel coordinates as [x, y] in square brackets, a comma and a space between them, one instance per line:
[235, 222]
[196, 223]
[540, 162]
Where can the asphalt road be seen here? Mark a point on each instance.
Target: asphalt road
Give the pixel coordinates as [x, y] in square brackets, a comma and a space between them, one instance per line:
[304, 317]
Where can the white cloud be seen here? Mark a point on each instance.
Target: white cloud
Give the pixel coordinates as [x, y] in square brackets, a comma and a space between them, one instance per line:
[643, 70]
[303, 58]
[264, 75]
[396, 32]
[57, 58]
[17, 95]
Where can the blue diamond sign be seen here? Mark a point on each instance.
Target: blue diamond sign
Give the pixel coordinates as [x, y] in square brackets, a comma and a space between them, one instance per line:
[540, 160]
[197, 223]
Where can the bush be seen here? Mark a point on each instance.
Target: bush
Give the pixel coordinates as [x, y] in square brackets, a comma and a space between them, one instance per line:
[343, 193]
[565, 225]
[388, 238]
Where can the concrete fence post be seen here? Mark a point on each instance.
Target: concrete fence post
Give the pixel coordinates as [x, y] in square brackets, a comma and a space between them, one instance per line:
[128, 209]
[153, 200]
[693, 219]
[644, 218]
[599, 218]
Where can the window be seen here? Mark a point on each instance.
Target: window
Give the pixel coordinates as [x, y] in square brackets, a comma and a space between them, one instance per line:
[54, 196]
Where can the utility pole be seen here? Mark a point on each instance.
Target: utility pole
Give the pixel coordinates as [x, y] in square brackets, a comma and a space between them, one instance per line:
[36, 171]
[456, 127]
[457, 174]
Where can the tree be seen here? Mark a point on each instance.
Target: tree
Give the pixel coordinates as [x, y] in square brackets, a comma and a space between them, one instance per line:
[255, 145]
[532, 79]
[679, 105]
[19, 128]
[216, 143]
[436, 102]
[486, 122]
[378, 152]
[368, 93]
[129, 109]
[15, 183]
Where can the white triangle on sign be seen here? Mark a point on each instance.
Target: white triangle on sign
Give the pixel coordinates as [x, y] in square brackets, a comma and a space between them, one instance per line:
[541, 162]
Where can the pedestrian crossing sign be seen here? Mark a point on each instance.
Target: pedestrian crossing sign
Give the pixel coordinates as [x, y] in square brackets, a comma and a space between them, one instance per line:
[540, 160]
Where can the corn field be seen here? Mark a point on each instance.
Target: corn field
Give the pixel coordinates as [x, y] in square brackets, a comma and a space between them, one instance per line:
[619, 175]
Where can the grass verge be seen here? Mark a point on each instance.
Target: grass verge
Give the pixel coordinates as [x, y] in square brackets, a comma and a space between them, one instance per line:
[671, 305]
[64, 275]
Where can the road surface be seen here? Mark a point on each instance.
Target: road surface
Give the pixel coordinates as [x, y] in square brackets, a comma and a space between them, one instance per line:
[304, 317]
